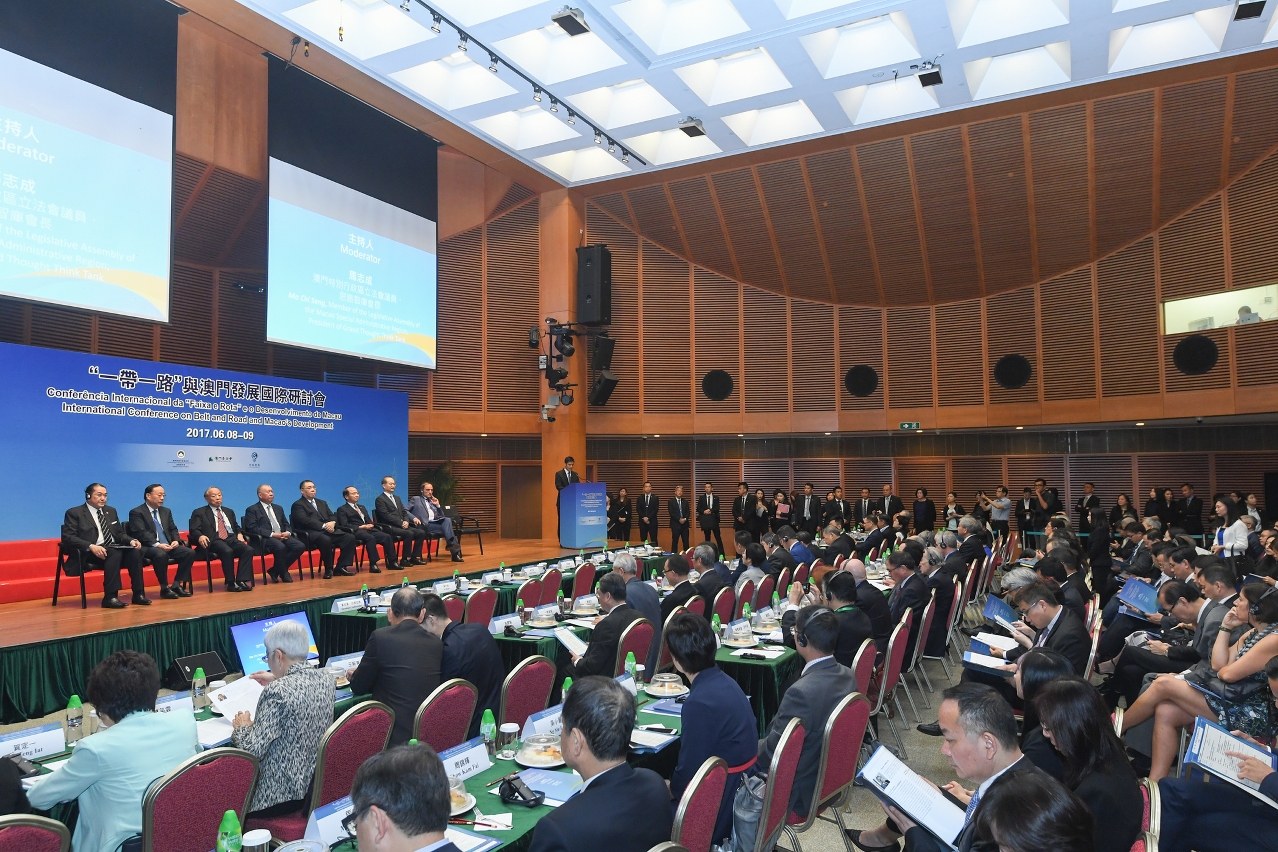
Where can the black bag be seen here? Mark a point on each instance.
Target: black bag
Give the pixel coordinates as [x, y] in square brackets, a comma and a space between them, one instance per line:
[1203, 675]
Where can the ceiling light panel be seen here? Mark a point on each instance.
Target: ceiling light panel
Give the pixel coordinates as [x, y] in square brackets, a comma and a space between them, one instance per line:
[887, 100]
[669, 25]
[1022, 71]
[454, 82]
[583, 164]
[1124, 5]
[746, 74]
[799, 8]
[982, 21]
[1272, 35]
[471, 12]
[1184, 37]
[671, 146]
[367, 30]
[529, 127]
[551, 55]
[623, 104]
[774, 124]
[862, 46]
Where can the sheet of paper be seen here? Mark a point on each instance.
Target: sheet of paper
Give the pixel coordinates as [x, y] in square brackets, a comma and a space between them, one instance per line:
[237, 695]
[588, 623]
[888, 778]
[538, 633]
[1007, 643]
[493, 822]
[651, 739]
[570, 641]
[983, 660]
[770, 653]
[1207, 749]
[468, 841]
[213, 732]
[881, 586]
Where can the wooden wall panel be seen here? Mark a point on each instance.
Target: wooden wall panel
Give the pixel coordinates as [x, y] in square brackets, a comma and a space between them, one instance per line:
[514, 384]
[1169, 470]
[61, 328]
[769, 474]
[1243, 472]
[12, 320]
[871, 473]
[842, 223]
[664, 476]
[295, 363]
[655, 218]
[724, 476]
[1217, 377]
[885, 174]
[132, 338]
[1123, 134]
[624, 246]
[1256, 354]
[860, 342]
[695, 207]
[909, 333]
[666, 381]
[461, 338]
[1191, 252]
[960, 381]
[1058, 140]
[1192, 136]
[1255, 119]
[416, 386]
[1069, 335]
[1110, 474]
[1002, 205]
[717, 303]
[1023, 470]
[1128, 320]
[1253, 240]
[615, 205]
[185, 340]
[1011, 319]
[767, 381]
[622, 474]
[824, 474]
[742, 211]
[813, 326]
[786, 197]
[241, 333]
[912, 474]
[477, 491]
[941, 176]
[969, 474]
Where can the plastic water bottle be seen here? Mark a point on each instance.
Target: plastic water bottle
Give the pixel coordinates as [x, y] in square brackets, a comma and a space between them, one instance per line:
[519, 608]
[564, 689]
[229, 838]
[95, 723]
[488, 730]
[776, 601]
[745, 610]
[404, 585]
[630, 663]
[559, 599]
[75, 719]
[199, 691]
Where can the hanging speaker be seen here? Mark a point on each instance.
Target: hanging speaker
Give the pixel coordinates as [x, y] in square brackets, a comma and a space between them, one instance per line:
[594, 285]
[717, 385]
[861, 380]
[1013, 371]
[601, 390]
[601, 353]
[1195, 355]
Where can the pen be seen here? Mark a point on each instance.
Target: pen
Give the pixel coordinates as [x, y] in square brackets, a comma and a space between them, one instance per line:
[501, 779]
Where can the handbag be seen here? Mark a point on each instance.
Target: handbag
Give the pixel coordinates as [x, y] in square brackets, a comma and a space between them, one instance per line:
[1204, 676]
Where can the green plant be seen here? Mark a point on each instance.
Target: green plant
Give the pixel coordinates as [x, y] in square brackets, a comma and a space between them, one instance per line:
[446, 484]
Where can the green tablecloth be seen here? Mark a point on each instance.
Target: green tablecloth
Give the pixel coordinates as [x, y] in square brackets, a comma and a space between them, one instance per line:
[761, 680]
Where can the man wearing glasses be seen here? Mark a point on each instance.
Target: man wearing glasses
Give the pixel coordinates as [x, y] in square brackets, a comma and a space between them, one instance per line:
[400, 802]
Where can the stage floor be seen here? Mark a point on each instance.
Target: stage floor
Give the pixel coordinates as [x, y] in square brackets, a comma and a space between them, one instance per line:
[26, 622]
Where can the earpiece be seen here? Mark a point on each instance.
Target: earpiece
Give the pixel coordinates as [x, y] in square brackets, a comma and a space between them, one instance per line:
[800, 639]
[1254, 608]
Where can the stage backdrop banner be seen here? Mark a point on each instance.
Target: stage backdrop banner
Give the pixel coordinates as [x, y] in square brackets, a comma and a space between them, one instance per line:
[71, 418]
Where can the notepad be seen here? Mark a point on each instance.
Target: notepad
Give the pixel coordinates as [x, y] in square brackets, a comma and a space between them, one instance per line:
[982, 663]
[654, 740]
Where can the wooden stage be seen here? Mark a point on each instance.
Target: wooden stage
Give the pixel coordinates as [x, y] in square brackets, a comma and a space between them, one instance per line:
[26, 622]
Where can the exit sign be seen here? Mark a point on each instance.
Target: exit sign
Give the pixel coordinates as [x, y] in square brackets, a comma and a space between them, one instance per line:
[908, 426]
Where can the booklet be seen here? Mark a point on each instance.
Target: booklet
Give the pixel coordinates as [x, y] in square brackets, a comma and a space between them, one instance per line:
[897, 784]
[993, 640]
[241, 694]
[997, 611]
[1139, 594]
[1207, 747]
[570, 641]
[978, 662]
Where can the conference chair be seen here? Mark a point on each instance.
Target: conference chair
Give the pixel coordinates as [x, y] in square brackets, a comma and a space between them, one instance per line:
[182, 810]
[526, 690]
[1147, 842]
[836, 773]
[465, 525]
[1152, 815]
[583, 582]
[863, 666]
[66, 555]
[776, 792]
[912, 660]
[30, 833]
[783, 582]
[1117, 718]
[956, 609]
[763, 595]
[667, 846]
[481, 605]
[1094, 629]
[697, 604]
[747, 597]
[801, 573]
[358, 734]
[725, 602]
[635, 639]
[889, 675]
[698, 809]
[456, 607]
[443, 719]
[529, 593]
[551, 584]
[664, 658]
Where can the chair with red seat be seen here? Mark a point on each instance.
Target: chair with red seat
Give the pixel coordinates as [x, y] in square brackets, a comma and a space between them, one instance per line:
[635, 639]
[584, 581]
[29, 833]
[698, 808]
[783, 582]
[1147, 842]
[840, 748]
[443, 719]
[801, 573]
[863, 666]
[889, 675]
[182, 810]
[664, 659]
[697, 604]
[725, 603]
[529, 593]
[551, 582]
[1152, 815]
[776, 792]
[763, 596]
[747, 597]
[481, 605]
[916, 655]
[951, 619]
[526, 690]
[456, 607]
[358, 734]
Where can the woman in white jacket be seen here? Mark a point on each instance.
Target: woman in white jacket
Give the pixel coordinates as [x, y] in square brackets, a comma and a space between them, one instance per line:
[1231, 536]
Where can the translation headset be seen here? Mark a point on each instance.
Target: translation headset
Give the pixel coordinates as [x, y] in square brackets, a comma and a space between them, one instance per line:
[1254, 608]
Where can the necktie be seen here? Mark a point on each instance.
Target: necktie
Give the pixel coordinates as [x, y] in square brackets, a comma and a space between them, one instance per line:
[971, 807]
[107, 538]
[221, 523]
[275, 522]
[360, 511]
[159, 528]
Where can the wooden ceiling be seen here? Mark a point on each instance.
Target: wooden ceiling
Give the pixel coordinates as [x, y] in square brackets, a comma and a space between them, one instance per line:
[962, 210]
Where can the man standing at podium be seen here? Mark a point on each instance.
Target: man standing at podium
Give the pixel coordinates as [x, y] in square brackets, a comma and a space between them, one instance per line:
[563, 479]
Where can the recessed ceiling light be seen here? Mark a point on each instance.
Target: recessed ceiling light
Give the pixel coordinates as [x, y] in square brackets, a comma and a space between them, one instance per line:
[1140, 422]
[740, 434]
[483, 434]
[656, 436]
[920, 431]
[1018, 428]
[827, 433]
[571, 21]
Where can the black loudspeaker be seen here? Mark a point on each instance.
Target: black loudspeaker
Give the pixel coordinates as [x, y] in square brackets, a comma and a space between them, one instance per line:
[601, 353]
[861, 380]
[1195, 355]
[1013, 371]
[179, 675]
[601, 390]
[717, 385]
[594, 285]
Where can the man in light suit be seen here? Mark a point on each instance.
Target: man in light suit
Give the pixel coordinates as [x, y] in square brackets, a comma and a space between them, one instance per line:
[355, 519]
[391, 513]
[152, 525]
[679, 510]
[564, 478]
[213, 527]
[708, 515]
[648, 509]
[266, 520]
[93, 530]
[425, 508]
[313, 517]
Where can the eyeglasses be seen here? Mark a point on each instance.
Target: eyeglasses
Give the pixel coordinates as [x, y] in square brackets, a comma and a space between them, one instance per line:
[352, 819]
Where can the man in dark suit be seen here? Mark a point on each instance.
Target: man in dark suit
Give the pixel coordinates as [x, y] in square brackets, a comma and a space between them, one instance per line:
[1187, 605]
[940, 583]
[836, 544]
[871, 601]
[564, 478]
[708, 515]
[391, 513]
[676, 574]
[878, 533]
[647, 509]
[1051, 568]
[890, 505]
[266, 520]
[152, 525]
[470, 653]
[619, 515]
[810, 699]
[620, 808]
[970, 546]
[909, 591]
[1084, 505]
[601, 654]
[678, 509]
[836, 507]
[93, 530]
[1190, 510]
[711, 580]
[402, 663]
[949, 544]
[854, 625]
[1026, 513]
[414, 779]
[358, 521]
[425, 508]
[778, 557]
[807, 510]
[742, 509]
[863, 506]
[643, 599]
[213, 527]
[311, 516]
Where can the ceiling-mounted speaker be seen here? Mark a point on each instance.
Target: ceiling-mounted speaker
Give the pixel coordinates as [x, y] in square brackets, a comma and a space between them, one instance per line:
[861, 380]
[1195, 355]
[717, 385]
[601, 353]
[601, 390]
[1013, 371]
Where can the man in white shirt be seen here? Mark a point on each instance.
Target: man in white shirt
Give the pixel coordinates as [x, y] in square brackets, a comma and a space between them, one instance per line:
[426, 509]
[93, 531]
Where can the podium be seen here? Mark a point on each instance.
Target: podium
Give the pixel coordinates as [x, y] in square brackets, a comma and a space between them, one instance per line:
[583, 515]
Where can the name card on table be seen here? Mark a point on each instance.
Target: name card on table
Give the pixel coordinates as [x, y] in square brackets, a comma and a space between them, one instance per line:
[499, 624]
[765, 614]
[444, 587]
[33, 743]
[325, 823]
[467, 759]
[629, 683]
[176, 701]
[548, 721]
[586, 603]
[545, 612]
[347, 604]
[491, 578]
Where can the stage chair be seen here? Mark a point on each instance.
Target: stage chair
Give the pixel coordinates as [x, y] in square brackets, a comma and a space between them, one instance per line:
[201, 553]
[526, 690]
[181, 811]
[305, 537]
[460, 527]
[583, 583]
[636, 639]
[30, 833]
[840, 749]
[443, 719]
[776, 793]
[65, 555]
[698, 810]
[552, 582]
[481, 605]
[255, 544]
[456, 606]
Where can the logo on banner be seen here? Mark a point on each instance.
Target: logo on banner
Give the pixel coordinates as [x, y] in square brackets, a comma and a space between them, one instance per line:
[181, 454]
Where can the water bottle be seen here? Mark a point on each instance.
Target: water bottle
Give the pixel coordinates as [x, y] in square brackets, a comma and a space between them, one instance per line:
[95, 723]
[488, 730]
[776, 601]
[404, 585]
[199, 691]
[229, 838]
[559, 599]
[519, 608]
[745, 610]
[456, 576]
[630, 663]
[75, 720]
[564, 689]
